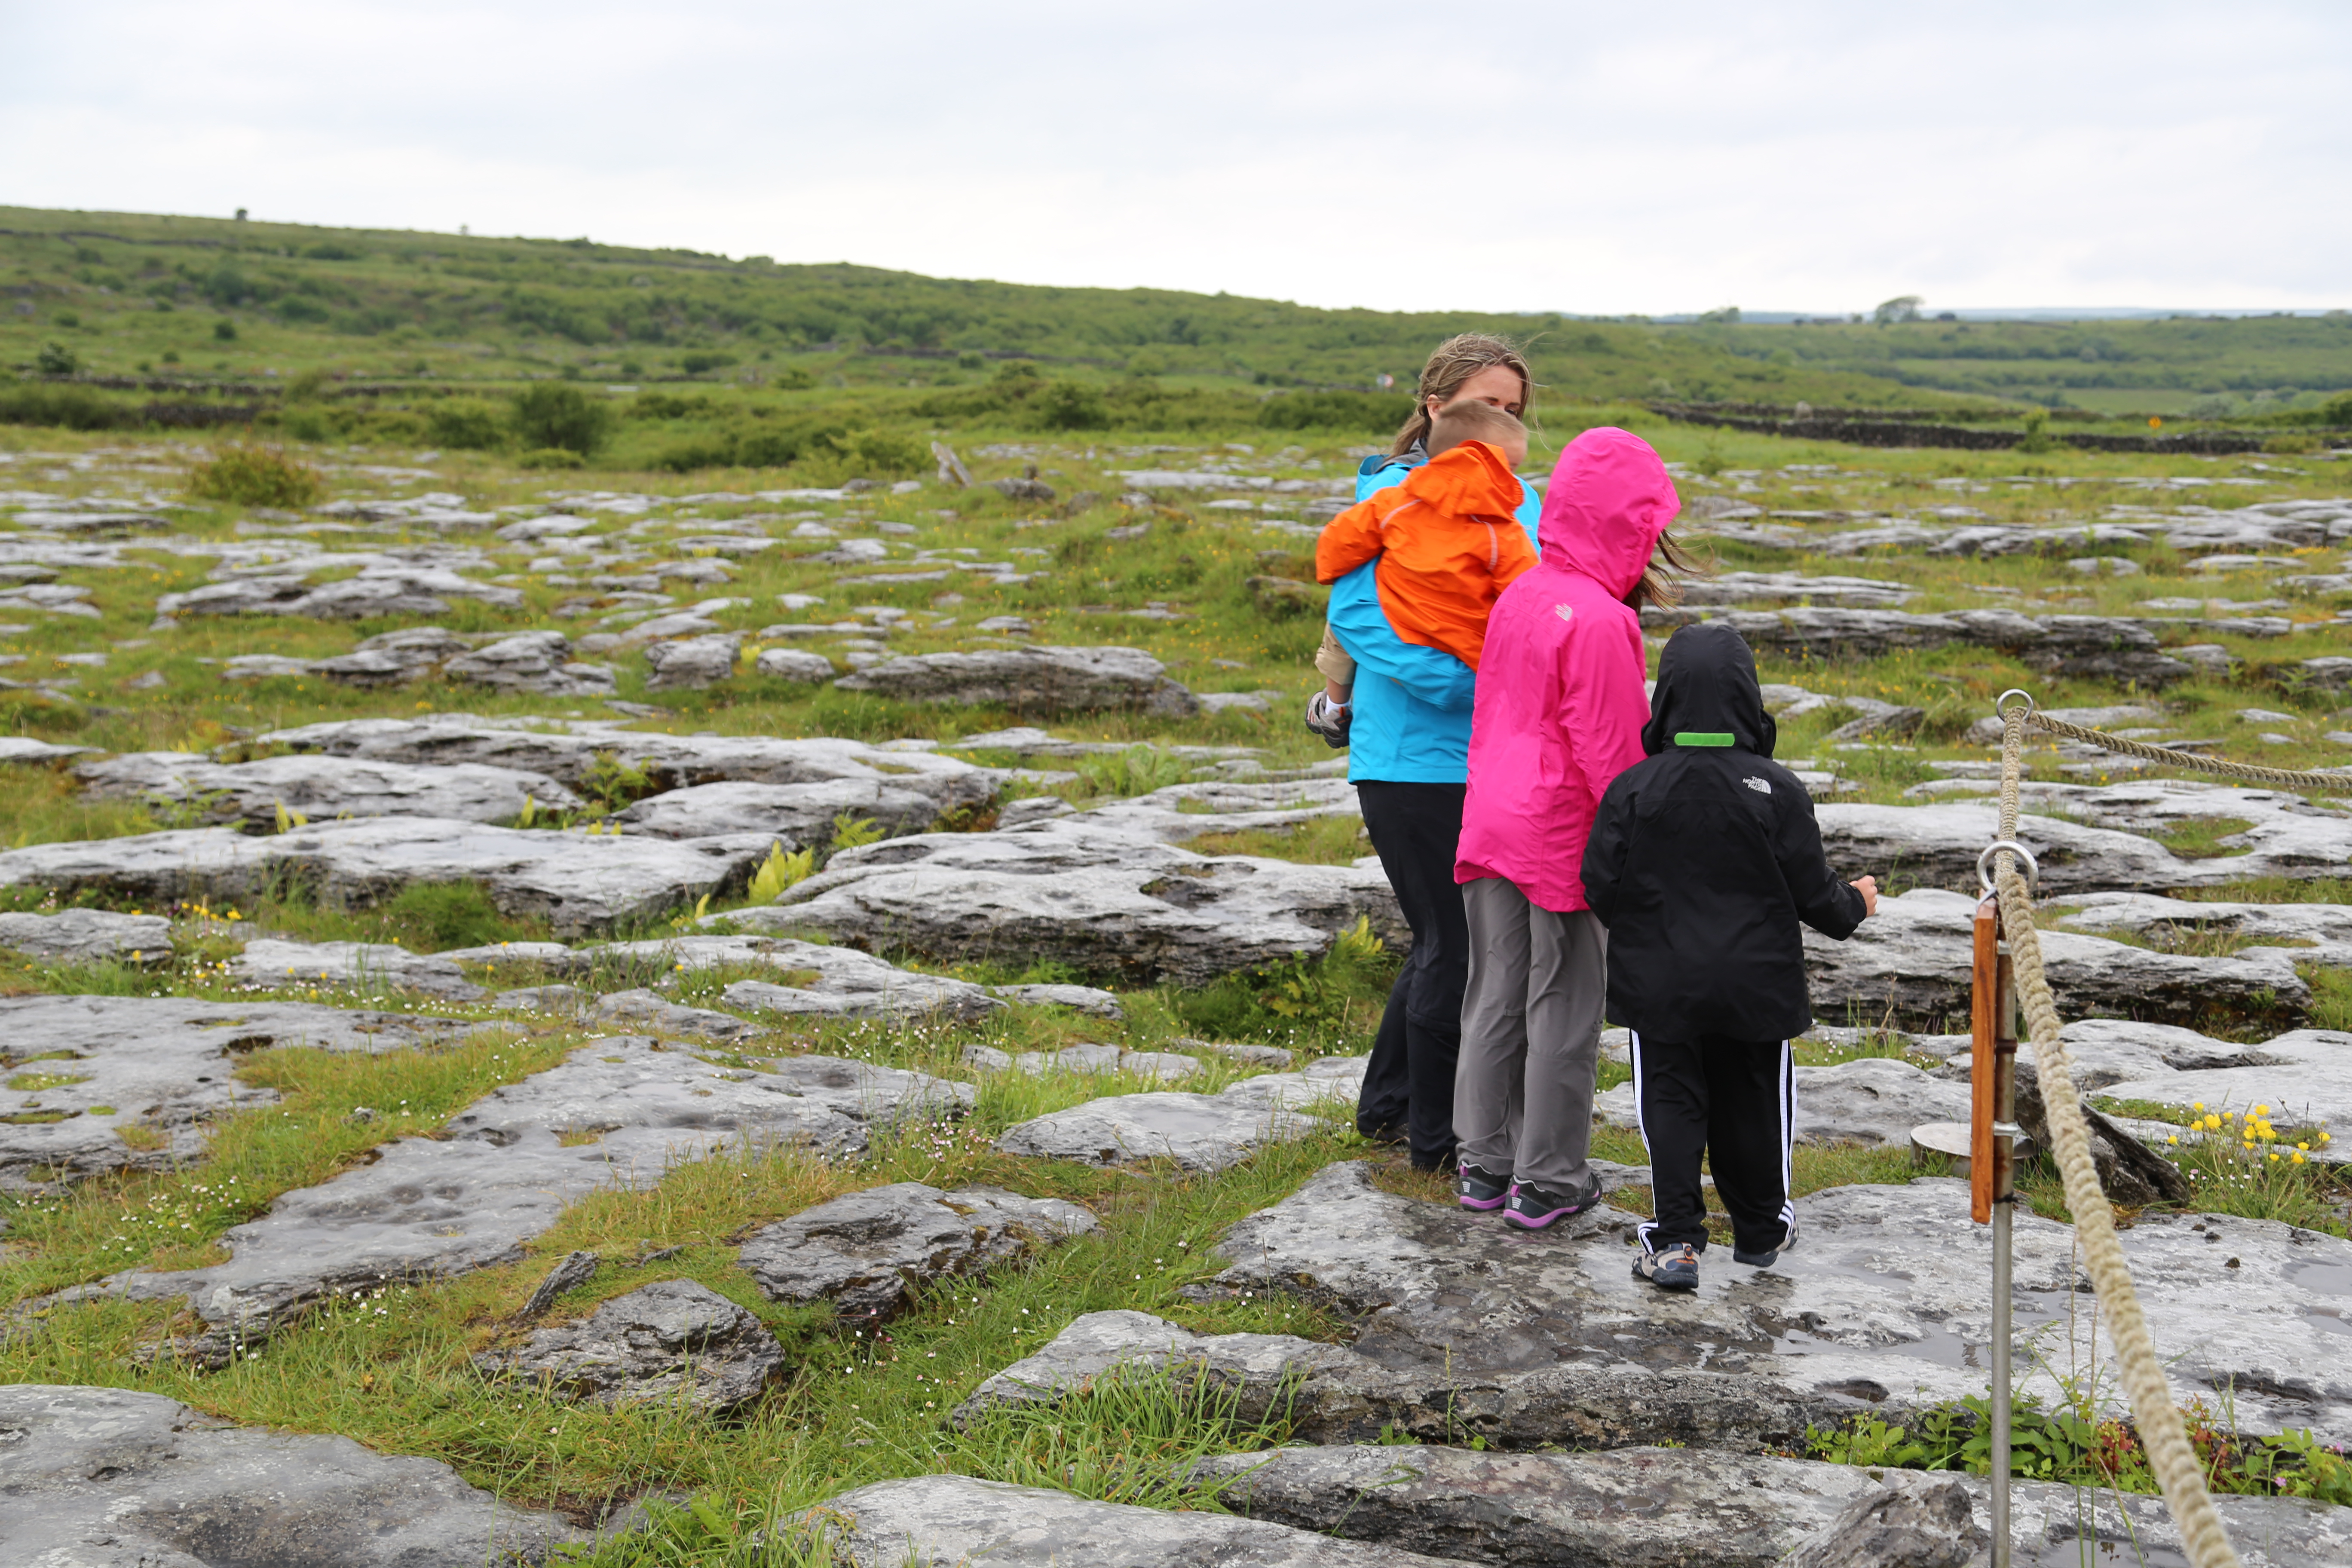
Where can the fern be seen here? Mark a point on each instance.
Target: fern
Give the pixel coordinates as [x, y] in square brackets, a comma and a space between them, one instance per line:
[780, 871]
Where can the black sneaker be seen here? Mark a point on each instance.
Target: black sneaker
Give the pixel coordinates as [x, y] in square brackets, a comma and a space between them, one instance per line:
[1538, 1208]
[1481, 1189]
[1766, 1259]
[1675, 1268]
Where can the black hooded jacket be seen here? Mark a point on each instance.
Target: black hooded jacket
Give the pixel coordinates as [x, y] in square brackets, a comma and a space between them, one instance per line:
[1706, 855]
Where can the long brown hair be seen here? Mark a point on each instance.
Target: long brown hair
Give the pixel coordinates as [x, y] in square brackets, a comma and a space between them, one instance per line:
[1662, 579]
[1454, 361]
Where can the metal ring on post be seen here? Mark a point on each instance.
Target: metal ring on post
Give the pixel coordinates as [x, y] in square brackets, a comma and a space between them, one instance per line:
[1984, 868]
[2001, 704]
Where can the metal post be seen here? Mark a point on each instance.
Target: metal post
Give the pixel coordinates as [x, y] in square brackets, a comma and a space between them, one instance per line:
[2004, 1208]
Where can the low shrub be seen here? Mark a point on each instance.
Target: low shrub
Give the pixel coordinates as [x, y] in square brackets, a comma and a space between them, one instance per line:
[66, 407]
[467, 424]
[551, 458]
[553, 415]
[1373, 412]
[257, 476]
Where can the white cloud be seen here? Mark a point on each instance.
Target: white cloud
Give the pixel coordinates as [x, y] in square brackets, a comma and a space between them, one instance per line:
[1574, 156]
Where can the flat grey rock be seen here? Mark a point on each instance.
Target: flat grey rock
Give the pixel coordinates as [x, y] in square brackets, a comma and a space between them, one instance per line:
[391, 658]
[672, 761]
[1194, 1132]
[2085, 646]
[673, 1342]
[618, 1111]
[2100, 844]
[25, 749]
[1248, 1054]
[954, 1521]
[1915, 957]
[1180, 813]
[531, 661]
[132, 1080]
[1882, 1300]
[1759, 588]
[386, 588]
[1042, 680]
[107, 1478]
[1085, 999]
[1100, 898]
[1872, 1100]
[576, 881]
[321, 788]
[796, 816]
[813, 977]
[88, 936]
[793, 664]
[658, 1015]
[691, 663]
[870, 1253]
[1728, 1510]
[1166, 1066]
[2315, 933]
[367, 966]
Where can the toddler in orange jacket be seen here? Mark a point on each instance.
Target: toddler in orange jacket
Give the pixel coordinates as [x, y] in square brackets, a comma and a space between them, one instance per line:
[1447, 540]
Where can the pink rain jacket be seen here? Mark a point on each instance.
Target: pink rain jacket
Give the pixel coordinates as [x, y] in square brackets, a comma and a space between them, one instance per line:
[1561, 706]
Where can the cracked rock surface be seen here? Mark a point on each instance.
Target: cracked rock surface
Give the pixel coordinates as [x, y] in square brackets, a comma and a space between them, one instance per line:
[88, 936]
[1914, 958]
[616, 1111]
[131, 1080]
[271, 963]
[955, 1521]
[1037, 681]
[1194, 1132]
[92, 1477]
[795, 814]
[1882, 1300]
[1090, 895]
[869, 1253]
[578, 882]
[249, 794]
[1727, 1510]
[671, 761]
[674, 1342]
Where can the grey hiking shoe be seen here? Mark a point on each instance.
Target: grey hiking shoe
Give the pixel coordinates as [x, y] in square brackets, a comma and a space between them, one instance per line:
[1328, 721]
[1479, 1188]
[1538, 1208]
[1675, 1268]
[1766, 1259]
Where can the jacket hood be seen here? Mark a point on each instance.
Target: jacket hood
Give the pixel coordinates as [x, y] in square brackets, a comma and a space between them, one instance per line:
[1470, 479]
[1608, 501]
[1706, 685]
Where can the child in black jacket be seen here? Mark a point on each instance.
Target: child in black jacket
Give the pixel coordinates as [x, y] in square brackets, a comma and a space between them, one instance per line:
[1702, 860]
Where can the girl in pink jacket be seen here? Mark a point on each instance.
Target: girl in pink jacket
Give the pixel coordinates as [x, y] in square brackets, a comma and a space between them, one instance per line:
[1559, 714]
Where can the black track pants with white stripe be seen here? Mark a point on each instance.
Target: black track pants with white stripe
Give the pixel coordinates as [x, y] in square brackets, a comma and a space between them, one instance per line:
[1734, 1102]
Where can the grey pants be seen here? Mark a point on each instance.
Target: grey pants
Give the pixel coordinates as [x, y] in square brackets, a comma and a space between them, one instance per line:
[1530, 1038]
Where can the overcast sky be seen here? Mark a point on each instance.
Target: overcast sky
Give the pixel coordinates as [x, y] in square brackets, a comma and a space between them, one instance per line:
[1563, 155]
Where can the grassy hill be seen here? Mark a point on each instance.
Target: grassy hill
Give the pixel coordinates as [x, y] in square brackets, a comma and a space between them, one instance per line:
[123, 320]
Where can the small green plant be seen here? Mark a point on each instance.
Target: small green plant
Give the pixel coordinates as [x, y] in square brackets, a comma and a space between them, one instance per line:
[1139, 770]
[612, 784]
[438, 915]
[852, 832]
[55, 359]
[257, 476]
[551, 458]
[780, 871]
[287, 821]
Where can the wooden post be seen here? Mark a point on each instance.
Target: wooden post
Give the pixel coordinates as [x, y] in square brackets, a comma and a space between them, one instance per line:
[1984, 991]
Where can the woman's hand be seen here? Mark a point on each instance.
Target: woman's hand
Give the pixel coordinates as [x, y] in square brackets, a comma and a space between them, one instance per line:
[1868, 888]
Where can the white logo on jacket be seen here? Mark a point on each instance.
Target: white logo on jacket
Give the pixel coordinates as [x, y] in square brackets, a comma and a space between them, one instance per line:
[1758, 785]
[1565, 612]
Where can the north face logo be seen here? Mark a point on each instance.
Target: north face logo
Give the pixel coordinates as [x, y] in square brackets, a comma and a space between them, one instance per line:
[1758, 785]
[1565, 612]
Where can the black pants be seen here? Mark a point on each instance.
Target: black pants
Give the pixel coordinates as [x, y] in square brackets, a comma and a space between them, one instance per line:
[1408, 1082]
[1734, 1102]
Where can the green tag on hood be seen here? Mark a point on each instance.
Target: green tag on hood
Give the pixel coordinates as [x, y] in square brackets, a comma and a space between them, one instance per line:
[1704, 738]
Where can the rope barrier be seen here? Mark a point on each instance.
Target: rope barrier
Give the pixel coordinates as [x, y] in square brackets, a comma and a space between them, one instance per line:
[2166, 1441]
[2323, 784]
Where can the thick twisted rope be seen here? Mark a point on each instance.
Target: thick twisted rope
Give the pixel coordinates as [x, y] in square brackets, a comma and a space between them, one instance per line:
[2323, 783]
[2161, 1434]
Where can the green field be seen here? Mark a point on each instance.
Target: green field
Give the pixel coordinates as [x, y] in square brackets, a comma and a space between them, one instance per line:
[670, 389]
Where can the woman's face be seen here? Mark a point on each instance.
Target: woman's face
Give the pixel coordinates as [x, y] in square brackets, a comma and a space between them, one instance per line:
[1498, 384]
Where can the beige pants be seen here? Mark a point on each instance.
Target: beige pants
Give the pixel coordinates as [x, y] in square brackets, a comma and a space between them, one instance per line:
[1333, 661]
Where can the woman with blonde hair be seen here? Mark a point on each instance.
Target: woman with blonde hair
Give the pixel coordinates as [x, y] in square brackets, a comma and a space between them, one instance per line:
[1408, 731]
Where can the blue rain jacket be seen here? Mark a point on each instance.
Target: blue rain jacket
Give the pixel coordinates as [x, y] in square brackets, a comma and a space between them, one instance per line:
[1412, 721]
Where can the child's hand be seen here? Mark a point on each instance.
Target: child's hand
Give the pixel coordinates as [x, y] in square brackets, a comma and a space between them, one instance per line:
[1868, 888]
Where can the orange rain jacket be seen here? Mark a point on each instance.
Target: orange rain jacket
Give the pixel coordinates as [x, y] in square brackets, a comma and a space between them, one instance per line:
[1448, 546]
